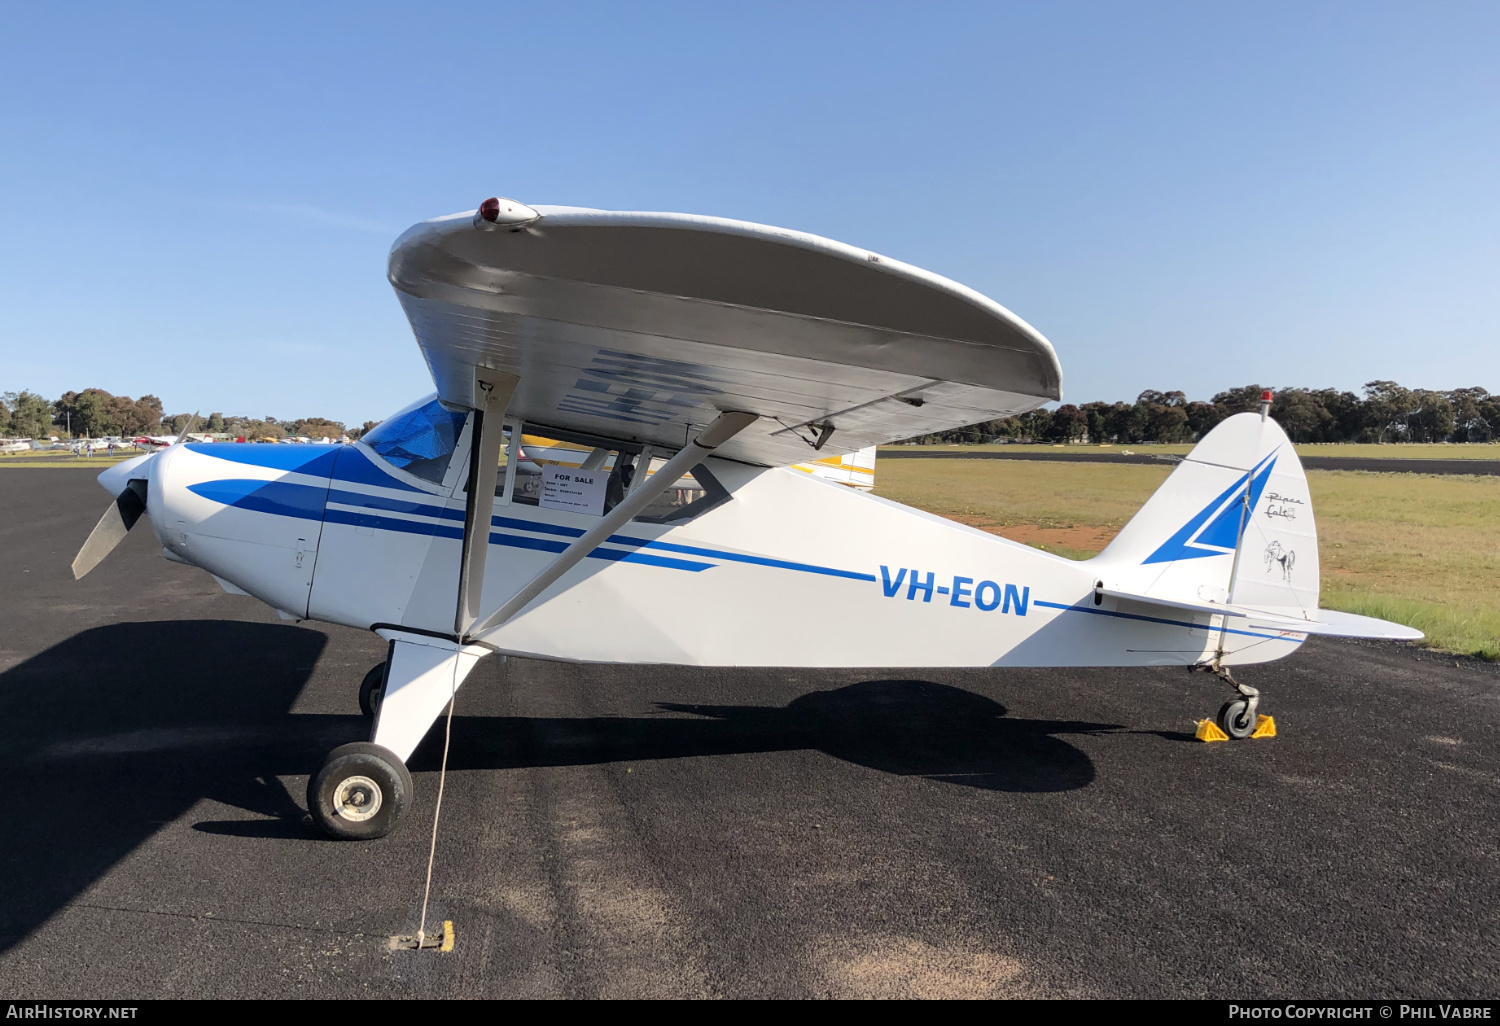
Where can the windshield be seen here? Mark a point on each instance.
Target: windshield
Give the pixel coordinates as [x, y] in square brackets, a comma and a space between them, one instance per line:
[420, 439]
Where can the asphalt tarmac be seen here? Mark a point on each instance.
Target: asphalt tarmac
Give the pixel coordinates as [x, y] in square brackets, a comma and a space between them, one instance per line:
[658, 831]
[1380, 466]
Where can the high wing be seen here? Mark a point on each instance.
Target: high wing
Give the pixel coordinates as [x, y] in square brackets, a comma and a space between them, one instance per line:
[644, 326]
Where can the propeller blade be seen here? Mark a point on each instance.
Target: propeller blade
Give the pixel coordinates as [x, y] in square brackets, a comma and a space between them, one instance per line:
[191, 421]
[116, 522]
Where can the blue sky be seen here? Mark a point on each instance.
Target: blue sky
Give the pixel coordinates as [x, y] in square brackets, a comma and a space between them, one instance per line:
[199, 199]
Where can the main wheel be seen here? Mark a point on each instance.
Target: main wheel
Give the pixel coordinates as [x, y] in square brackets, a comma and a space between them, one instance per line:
[1235, 719]
[372, 690]
[360, 792]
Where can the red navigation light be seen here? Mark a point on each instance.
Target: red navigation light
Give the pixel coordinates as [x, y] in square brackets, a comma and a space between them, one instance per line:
[1265, 396]
[490, 209]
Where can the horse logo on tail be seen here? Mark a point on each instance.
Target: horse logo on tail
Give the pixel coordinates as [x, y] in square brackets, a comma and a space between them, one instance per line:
[1286, 557]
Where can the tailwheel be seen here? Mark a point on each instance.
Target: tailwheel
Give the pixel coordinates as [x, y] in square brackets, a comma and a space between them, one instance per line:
[372, 690]
[360, 793]
[1236, 719]
[1239, 717]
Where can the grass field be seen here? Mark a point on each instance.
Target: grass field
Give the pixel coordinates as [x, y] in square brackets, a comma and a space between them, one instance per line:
[1487, 451]
[1419, 549]
[64, 459]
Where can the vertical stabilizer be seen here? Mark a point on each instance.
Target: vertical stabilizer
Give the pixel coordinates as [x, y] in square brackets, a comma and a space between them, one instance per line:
[1241, 487]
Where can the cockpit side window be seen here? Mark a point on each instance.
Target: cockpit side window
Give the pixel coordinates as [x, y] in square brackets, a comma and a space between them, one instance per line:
[419, 440]
[612, 469]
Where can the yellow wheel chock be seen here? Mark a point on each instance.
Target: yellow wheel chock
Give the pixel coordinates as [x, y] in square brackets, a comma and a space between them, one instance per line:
[1208, 730]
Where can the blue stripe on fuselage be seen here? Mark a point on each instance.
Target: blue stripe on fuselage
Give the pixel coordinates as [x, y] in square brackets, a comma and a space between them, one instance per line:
[537, 527]
[305, 502]
[515, 541]
[317, 460]
[283, 499]
[387, 504]
[339, 462]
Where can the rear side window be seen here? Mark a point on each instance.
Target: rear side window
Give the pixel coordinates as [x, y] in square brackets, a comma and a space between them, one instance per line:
[695, 493]
[419, 440]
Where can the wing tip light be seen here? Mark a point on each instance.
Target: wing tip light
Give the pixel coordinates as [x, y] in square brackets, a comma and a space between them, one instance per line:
[499, 212]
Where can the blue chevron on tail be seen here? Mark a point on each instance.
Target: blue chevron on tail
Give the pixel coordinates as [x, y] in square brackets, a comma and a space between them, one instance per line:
[1216, 529]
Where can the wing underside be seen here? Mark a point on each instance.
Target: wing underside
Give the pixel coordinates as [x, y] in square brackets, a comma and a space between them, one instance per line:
[644, 326]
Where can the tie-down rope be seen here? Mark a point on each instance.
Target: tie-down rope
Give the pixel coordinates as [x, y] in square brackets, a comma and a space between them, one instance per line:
[438, 808]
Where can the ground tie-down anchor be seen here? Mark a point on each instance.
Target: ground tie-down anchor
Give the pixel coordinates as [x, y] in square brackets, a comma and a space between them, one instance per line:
[437, 942]
[1238, 718]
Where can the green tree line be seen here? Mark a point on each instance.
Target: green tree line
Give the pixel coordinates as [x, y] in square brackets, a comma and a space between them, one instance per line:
[1384, 412]
[95, 413]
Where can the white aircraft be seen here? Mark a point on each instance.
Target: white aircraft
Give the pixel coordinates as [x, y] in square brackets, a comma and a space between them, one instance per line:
[605, 475]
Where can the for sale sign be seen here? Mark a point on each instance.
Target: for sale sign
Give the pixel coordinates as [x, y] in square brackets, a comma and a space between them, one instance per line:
[581, 491]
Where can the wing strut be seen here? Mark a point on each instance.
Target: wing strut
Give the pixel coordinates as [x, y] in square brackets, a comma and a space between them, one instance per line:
[724, 427]
[493, 389]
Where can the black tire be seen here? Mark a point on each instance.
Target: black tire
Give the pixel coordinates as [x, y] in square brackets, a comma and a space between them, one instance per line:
[372, 690]
[1234, 719]
[360, 793]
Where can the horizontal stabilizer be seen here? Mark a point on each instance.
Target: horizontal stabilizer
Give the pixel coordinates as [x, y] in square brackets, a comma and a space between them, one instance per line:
[1326, 622]
[1183, 605]
[1331, 623]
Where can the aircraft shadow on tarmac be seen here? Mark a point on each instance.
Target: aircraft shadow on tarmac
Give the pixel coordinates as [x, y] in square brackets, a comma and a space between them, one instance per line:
[904, 727]
[122, 729]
